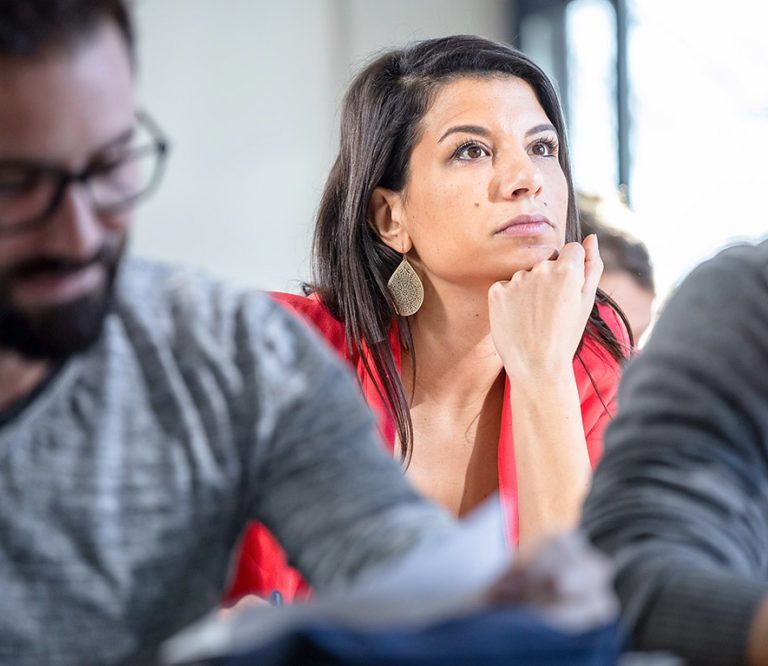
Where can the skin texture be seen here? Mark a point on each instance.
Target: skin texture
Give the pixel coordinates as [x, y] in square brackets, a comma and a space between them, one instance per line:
[65, 108]
[757, 646]
[494, 302]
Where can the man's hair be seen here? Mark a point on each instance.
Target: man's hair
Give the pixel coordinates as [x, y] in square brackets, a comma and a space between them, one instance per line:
[620, 252]
[29, 28]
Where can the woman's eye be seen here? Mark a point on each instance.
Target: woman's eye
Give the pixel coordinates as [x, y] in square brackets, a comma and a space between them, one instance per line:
[470, 151]
[544, 149]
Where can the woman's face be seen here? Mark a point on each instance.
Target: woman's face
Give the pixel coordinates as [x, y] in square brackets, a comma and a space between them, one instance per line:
[485, 195]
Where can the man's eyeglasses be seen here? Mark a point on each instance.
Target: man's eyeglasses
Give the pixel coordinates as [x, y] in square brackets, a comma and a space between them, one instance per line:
[30, 193]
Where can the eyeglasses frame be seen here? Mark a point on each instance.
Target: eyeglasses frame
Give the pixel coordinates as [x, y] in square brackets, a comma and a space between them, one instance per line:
[64, 178]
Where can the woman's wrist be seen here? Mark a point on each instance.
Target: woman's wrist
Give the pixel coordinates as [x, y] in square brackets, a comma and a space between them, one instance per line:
[541, 378]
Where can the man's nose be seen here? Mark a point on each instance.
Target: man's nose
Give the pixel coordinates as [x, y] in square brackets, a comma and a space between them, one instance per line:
[76, 230]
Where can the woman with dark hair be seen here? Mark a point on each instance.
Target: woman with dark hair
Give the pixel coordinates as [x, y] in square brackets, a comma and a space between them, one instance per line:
[448, 271]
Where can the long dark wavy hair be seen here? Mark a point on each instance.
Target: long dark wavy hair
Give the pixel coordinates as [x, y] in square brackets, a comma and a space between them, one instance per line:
[380, 124]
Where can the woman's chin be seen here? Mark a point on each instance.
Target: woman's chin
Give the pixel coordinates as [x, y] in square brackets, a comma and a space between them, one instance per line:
[534, 254]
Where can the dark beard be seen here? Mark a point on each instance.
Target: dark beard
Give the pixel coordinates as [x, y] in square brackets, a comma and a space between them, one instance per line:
[57, 332]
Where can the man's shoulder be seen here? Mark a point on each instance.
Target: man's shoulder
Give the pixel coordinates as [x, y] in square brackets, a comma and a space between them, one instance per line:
[193, 313]
[727, 286]
[188, 309]
[161, 289]
[311, 309]
[722, 305]
[735, 265]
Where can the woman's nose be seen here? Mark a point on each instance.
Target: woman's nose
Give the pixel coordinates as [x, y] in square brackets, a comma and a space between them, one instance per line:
[519, 176]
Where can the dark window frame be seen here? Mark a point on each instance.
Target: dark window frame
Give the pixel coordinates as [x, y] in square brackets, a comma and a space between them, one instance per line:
[554, 12]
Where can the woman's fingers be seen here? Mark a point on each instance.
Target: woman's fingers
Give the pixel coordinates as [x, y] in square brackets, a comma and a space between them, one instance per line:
[582, 263]
[538, 316]
[593, 266]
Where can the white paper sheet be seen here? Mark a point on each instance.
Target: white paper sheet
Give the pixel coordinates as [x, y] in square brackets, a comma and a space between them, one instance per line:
[432, 583]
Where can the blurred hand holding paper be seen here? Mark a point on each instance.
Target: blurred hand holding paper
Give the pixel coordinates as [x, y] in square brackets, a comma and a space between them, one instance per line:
[564, 584]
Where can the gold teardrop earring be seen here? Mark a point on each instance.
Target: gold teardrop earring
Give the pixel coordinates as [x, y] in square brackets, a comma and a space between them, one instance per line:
[406, 289]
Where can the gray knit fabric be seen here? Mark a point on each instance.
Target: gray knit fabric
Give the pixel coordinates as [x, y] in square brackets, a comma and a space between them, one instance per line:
[680, 498]
[126, 483]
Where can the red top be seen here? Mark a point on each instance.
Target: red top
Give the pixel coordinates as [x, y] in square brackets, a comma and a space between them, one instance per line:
[262, 567]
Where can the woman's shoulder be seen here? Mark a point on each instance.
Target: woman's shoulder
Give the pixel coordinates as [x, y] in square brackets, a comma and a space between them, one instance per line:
[311, 309]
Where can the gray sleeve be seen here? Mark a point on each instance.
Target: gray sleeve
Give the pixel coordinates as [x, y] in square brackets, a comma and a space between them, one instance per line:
[680, 499]
[319, 478]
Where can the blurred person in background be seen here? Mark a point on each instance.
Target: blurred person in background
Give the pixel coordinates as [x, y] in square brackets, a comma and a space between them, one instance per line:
[448, 272]
[627, 270]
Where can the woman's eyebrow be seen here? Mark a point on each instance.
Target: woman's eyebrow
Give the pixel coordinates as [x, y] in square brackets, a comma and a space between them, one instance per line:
[469, 129]
[545, 127]
[482, 131]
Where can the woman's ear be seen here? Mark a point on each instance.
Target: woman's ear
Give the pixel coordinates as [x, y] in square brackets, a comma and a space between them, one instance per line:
[386, 216]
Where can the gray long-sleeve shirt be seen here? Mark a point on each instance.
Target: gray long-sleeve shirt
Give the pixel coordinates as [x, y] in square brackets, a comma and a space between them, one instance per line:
[127, 481]
[680, 499]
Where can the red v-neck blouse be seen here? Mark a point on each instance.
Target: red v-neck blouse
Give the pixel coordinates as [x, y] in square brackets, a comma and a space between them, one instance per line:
[262, 567]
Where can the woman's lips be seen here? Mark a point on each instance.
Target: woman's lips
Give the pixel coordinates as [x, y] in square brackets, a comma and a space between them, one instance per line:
[524, 225]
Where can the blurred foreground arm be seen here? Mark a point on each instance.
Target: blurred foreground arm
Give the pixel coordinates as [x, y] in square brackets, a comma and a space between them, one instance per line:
[680, 499]
[318, 476]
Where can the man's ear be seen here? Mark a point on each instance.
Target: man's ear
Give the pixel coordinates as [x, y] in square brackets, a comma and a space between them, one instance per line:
[386, 216]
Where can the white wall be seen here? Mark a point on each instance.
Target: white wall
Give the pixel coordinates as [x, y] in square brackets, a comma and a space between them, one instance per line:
[249, 93]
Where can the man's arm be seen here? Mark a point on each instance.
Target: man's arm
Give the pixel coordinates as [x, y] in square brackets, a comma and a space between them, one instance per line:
[319, 477]
[680, 499]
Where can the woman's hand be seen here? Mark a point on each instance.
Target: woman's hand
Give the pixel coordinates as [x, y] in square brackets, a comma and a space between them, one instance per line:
[538, 317]
[537, 321]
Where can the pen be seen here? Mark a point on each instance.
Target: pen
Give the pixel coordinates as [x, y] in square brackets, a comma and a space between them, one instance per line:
[275, 598]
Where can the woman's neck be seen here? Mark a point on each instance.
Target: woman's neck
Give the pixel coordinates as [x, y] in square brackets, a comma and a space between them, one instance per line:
[19, 377]
[454, 352]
